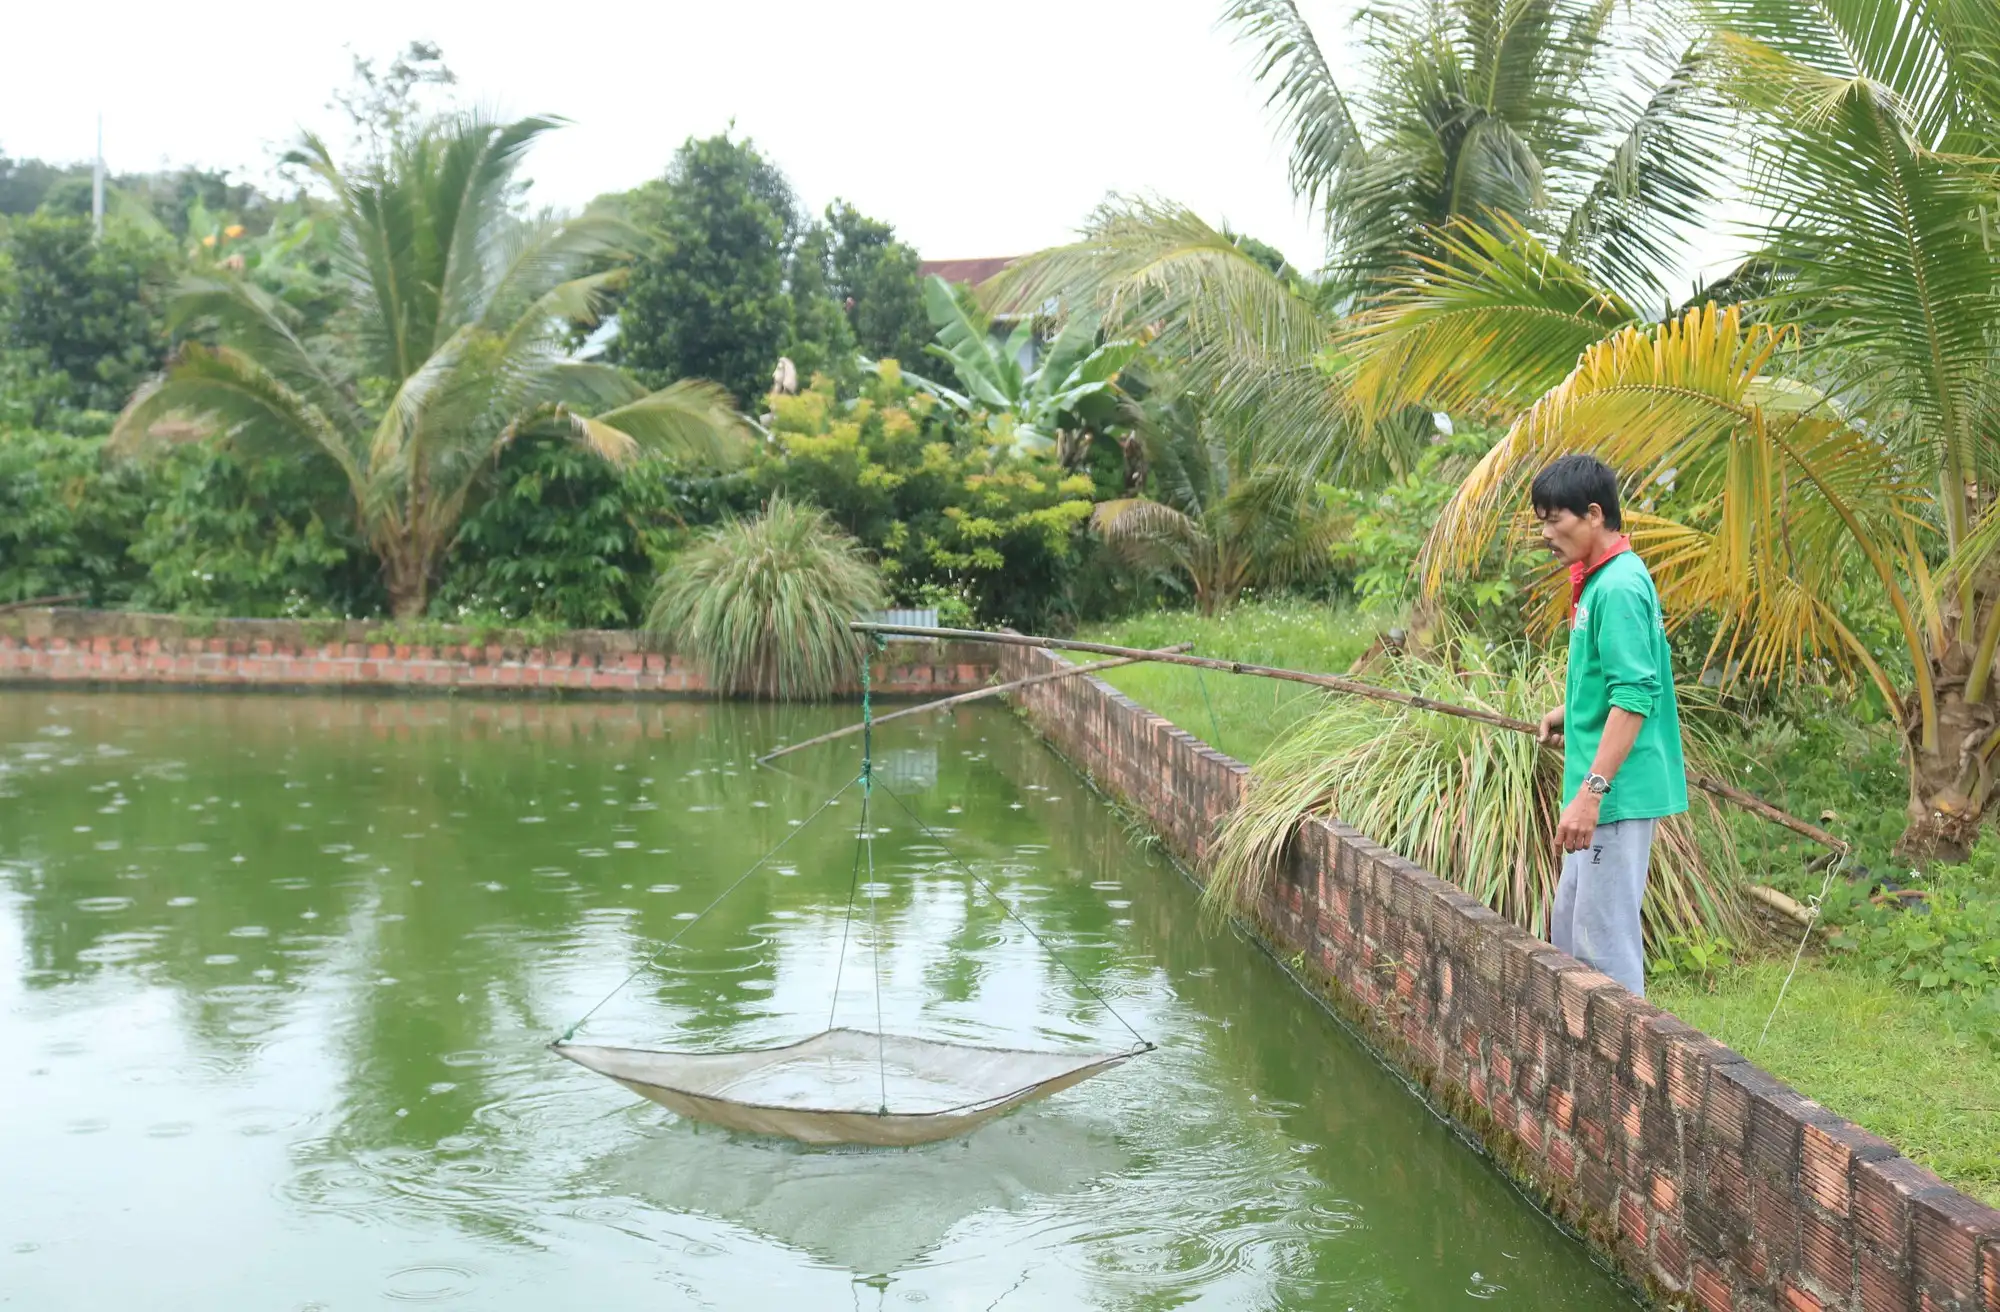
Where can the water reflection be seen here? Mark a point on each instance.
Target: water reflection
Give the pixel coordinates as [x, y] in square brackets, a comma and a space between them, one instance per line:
[278, 973]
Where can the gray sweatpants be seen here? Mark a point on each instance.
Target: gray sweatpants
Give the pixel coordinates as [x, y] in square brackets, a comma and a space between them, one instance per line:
[1596, 917]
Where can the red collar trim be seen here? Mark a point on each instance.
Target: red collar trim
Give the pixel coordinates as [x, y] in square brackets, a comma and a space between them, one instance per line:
[1579, 573]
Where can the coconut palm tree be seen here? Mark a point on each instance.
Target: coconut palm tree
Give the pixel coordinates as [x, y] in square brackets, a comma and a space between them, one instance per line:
[1221, 519]
[1832, 451]
[1597, 133]
[448, 345]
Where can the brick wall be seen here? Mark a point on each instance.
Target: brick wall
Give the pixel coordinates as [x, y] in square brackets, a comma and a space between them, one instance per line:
[114, 647]
[1707, 1180]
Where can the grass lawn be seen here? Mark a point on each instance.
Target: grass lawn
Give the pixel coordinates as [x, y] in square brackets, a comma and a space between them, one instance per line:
[1239, 714]
[1866, 1050]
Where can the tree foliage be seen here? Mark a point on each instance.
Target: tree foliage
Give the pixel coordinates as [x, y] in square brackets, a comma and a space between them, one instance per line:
[707, 296]
[1220, 519]
[90, 310]
[944, 516]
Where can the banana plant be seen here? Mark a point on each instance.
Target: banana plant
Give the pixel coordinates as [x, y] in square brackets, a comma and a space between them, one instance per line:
[1067, 397]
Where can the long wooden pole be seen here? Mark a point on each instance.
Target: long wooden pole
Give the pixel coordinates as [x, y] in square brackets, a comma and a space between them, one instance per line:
[959, 700]
[33, 603]
[1353, 687]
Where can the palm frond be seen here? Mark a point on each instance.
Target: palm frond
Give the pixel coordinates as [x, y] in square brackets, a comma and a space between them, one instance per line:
[544, 258]
[1474, 804]
[1777, 496]
[692, 419]
[1873, 214]
[1492, 323]
[263, 328]
[219, 392]
[1656, 184]
[471, 199]
[1312, 110]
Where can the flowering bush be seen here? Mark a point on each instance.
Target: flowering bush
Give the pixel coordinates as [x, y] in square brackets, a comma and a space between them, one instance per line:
[1001, 536]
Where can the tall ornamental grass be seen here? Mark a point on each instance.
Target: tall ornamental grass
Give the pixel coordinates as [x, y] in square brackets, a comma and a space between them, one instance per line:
[761, 606]
[1473, 804]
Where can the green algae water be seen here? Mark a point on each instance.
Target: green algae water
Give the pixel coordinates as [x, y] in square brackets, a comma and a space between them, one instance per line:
[276, 976]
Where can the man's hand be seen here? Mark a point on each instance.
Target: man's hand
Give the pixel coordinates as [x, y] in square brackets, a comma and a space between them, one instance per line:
[1551, 728]
[1578, 821]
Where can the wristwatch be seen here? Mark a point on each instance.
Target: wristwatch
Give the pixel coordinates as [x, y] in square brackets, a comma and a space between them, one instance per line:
[1597, 783]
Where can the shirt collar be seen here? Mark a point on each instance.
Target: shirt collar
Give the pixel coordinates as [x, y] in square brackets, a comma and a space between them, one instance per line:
[1579, 572]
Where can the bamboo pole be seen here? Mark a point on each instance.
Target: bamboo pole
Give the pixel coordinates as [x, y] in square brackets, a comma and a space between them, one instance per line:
[34, 603]
[1353, 687]
[959, 700]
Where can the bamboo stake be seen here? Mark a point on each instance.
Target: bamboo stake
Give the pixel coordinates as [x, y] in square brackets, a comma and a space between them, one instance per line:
[33, 603]
[1353, 687]
[959, 700]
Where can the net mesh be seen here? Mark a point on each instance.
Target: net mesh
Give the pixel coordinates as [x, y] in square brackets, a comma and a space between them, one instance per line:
[845, 1086]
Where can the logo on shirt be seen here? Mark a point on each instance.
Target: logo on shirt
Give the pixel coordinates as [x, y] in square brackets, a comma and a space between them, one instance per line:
[1582, 616]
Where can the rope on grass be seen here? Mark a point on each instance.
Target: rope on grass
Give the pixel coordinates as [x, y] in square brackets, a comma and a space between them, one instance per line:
[1812, 919]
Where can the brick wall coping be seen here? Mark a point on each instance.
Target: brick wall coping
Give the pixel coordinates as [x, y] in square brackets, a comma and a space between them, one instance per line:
[65, 646]
[1707, 1181]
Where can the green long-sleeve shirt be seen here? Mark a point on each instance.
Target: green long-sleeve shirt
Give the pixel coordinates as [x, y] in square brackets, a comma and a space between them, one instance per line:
[1618, 656]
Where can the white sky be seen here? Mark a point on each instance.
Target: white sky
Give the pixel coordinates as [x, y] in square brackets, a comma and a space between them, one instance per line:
[987, 129]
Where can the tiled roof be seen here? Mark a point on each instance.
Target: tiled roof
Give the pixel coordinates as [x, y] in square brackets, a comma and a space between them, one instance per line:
[971, 271]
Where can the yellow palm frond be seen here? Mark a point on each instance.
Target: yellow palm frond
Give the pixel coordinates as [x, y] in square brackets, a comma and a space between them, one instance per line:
[1750, 497]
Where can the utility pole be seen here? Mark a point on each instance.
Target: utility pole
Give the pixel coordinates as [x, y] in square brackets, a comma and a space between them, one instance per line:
[97, 181]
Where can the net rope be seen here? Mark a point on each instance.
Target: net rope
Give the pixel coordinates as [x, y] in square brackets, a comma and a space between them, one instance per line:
[865, 854]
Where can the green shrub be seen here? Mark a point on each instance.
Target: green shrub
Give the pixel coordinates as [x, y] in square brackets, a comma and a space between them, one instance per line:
[1945, 943]
[66, 517]
[906, 478]
[762, 605]
[562, 537]
[233, 534]
[1387, 531]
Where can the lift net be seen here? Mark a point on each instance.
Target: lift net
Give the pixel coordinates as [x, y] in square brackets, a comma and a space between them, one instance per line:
[846, 1085]
[830, 1088]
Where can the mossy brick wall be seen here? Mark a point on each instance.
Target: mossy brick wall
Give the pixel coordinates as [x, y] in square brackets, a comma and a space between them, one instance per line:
[1706, 1180]
[114, 647]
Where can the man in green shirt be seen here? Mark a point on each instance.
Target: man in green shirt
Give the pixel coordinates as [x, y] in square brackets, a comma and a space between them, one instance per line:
[1619, 726]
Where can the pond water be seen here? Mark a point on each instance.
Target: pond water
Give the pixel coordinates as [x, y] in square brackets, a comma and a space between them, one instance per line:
[276, 976]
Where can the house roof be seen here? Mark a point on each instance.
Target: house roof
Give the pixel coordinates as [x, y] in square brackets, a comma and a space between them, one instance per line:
[974, 271]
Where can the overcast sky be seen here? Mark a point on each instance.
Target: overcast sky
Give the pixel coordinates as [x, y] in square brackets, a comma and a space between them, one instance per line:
[987, 129]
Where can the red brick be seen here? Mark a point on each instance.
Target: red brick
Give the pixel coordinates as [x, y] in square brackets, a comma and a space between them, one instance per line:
[1725, 1113]
[1574, 991]
[1882, 1192]
[1632, 1218]
[1823, 1165]
[1884, 1288]
[1711, 1287]
[1562, 1108]
[1797, 1300]
[1670, 1255]
[1562, 1157]
[1945, 1239]
[1826, 1257]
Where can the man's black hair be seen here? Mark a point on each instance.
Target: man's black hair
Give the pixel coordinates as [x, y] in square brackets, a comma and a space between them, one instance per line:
[1576, 483]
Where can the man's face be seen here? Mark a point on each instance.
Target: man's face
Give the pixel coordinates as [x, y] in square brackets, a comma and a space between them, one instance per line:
[1571, 536]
